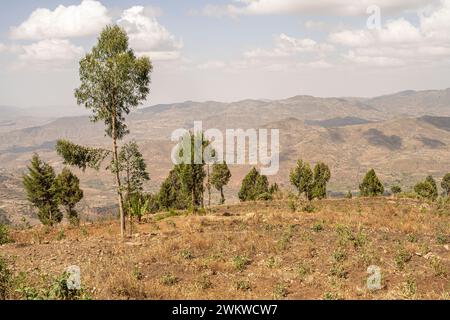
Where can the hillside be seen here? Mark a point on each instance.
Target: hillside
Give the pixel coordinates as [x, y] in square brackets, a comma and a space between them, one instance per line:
[249, 251]
[352, 135]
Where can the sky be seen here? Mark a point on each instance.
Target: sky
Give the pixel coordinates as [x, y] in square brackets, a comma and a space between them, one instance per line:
[230, 50]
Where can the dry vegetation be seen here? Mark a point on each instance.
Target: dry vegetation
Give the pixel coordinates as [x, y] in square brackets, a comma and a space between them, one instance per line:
[251, 251]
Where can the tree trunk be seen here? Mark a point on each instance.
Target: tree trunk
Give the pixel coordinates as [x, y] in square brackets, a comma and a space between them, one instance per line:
[129, 199]
[118, 182]
[222, 197]
[194, 207]
[208, 186]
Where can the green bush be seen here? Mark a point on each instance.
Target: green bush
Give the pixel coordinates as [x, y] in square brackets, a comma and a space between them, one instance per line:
[4, 234]
[6, 280]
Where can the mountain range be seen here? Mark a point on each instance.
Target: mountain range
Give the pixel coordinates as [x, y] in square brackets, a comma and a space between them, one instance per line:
[403, 136]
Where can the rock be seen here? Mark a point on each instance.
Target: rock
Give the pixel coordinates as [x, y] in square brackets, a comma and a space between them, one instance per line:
[446, 247]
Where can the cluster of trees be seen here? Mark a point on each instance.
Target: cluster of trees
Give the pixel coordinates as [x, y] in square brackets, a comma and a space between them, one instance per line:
[187, 182]
[312, 184]
[48, 192]
[113, 81]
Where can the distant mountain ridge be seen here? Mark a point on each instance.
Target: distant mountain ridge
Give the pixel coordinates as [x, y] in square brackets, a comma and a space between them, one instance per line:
[404, 137]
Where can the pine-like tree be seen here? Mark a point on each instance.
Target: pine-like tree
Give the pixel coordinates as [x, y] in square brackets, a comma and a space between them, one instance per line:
[192, 169]
[171, 194]
[322, 175]
[371, 186]
[220, 177]
[254, 187]
[41, 191]
[427, 189]
[113, 81]
[69, 194]
[303, 180]
[445, 184]
[133, 168]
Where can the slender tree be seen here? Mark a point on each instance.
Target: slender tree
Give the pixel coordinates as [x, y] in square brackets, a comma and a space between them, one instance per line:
[445, 184]
[221, 175]
[69, 194]
[192, 169]
[41, 191]
[371, 186]
[303, 179]
[322, 175]
[113, 81]
[134, 171]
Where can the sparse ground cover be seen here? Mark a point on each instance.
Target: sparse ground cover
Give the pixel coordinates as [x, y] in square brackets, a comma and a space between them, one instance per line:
[256, 250]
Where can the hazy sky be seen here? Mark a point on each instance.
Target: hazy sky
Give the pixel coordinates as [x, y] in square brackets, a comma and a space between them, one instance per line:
[229, 49]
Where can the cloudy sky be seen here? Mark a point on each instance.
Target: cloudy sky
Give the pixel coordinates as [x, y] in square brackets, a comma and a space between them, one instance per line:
[230, 49]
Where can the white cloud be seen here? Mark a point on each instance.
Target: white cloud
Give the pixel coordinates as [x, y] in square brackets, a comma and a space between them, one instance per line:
[50, 53]
[311, 7]
[399, 42]
[2, 47]
[85, 19]
[212, 64]
[148, 36]
[395, 32]
[436, 23]
[286, 46]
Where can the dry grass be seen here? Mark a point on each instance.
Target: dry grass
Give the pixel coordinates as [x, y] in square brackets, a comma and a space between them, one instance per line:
[253, 251]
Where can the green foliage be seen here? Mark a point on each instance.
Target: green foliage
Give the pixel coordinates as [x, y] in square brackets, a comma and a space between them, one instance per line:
[445, 184]
[349, 195]
[220, 177]
[396, 189]
[79, 156]
[113, 80]
[254, 187]
[171, 194]
[41, 191]
[303, 179]
[138, 205]
[69, 194]
[240, 262]
[4, 234]
[6, 280]
[371, 186]
[191, 169]
[133, 167]
[427, 189]
[322, 176]
[311, 184]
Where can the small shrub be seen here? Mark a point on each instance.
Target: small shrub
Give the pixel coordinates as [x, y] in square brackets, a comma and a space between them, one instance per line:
[330, 296]
[187, 254]
[280, 291]
[396, 189]
[317, 227]
[272, 263]
[240, 262]
[292, 205]
[411, 238]
[441, 238]
[339, 255]
[61, 235]
[409, 288]
[303, 270]
[243, 285]
[6, 280]
[402, 257]
[438, 267]
[169, 279]
[4, 234]
[337, 270]
[204, 282]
